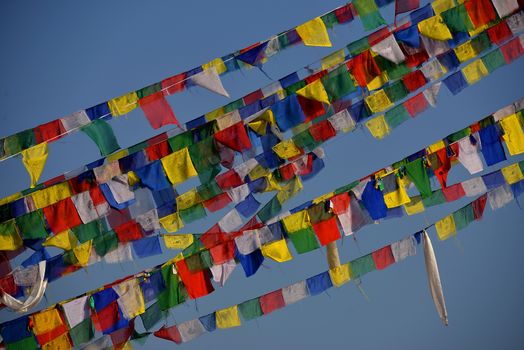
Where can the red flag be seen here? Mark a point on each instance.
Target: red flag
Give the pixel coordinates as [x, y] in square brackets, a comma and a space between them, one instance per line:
[383, 257]
[272, 301]
[402, 6]
[157, 110]
[198, 283]
[169, 333]
[234, 137]
[62, 215]
[327, 231]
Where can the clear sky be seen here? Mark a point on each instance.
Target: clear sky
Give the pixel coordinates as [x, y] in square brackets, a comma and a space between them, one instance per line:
[61, 56]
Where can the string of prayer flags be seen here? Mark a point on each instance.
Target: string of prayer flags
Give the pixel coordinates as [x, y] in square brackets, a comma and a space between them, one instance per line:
[338, 276]
[379, 259]
[407, 82]
[498, 114]
[123, 104]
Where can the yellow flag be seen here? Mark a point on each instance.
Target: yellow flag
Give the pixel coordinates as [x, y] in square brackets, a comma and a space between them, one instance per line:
[272, 184]
[289, 190]
[123, 104]
[378, 81]
[83, 252]
[258, 172]
[513, 134]
[396, 198]
[323, 197]
[378, 102]
[378, 127]
[47, 196]
[45, 321]
[334, 59]
[277, 251]
[436, 146]
[259, 125]
[415, 206]
[314, 91]
[181, 241]
[446, 227]
[478, 30]
[59, 343]
[215, 114]
[188, 199]
[465, 52]
[340, 275]
[227, 318]
[314, 33]
[11, 198]
[286, 149]
[512, 173]
[178, 166]
[435, 28]
[132, 178]
[172, 222]
[440, 6]
[178, 257]
[128, 346]
[9, 237]
[118, 155]
[218, 63]
[34, 159]
[297, 221]
[475, 71]
[65, 240]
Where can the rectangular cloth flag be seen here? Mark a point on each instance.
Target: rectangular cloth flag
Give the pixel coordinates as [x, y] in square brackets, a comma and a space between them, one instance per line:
[157, 110]
[102, 134]
[314, 33]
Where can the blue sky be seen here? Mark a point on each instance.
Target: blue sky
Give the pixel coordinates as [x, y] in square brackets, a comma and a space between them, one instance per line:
[62, 56]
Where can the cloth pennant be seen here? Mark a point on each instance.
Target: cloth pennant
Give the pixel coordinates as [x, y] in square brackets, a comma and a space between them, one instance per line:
[314, 91]
[34, 159]
[157, 110]
[314, 33]
[102, 134]
[209, 79]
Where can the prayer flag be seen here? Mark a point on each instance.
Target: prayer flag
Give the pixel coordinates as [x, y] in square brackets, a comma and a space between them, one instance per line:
[314, 33]
[34, 159]
[123, 104]
[157, 110]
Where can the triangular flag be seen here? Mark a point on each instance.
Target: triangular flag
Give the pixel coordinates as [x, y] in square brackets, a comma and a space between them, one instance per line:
[389, 49]
[254, 55]
[431, 94]
[169, 333]
[314, 33]
[65, 240]
[209, 79]
[34, 159]
[82, 253]
[314, 91]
